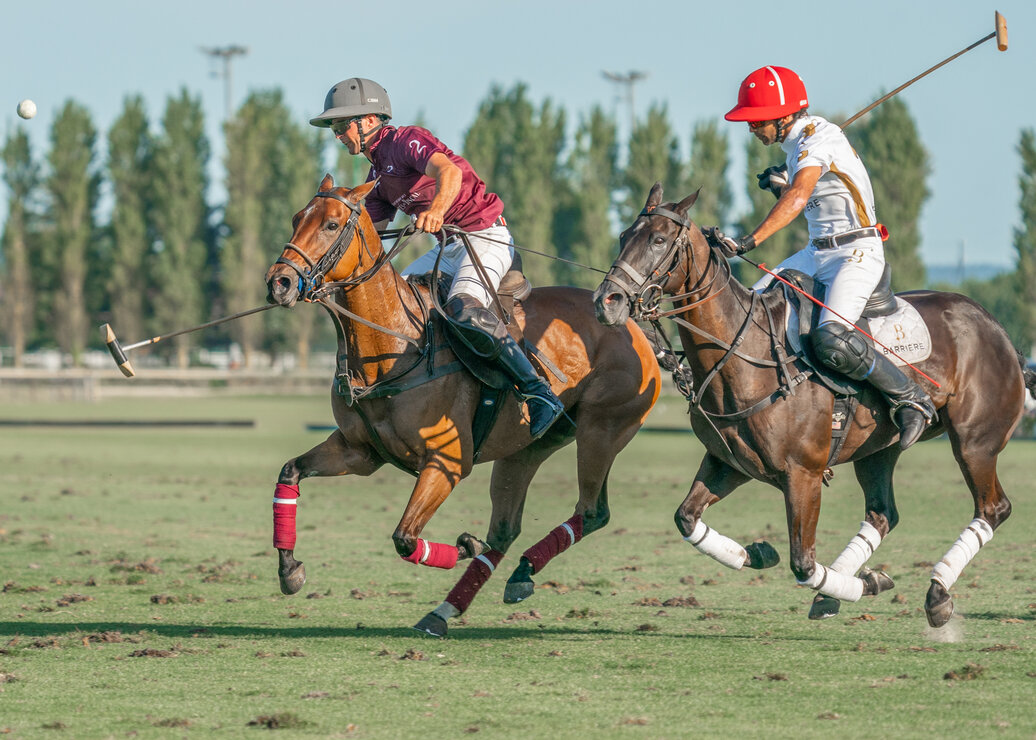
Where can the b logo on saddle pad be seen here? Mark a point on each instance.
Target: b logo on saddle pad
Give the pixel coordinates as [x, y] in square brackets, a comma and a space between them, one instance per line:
[903, 333]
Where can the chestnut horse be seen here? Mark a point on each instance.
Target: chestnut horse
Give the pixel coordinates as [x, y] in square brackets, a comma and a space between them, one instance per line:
[754, 423]
[397, 410]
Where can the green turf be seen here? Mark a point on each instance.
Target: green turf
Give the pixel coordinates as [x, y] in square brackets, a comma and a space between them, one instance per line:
[141, 599]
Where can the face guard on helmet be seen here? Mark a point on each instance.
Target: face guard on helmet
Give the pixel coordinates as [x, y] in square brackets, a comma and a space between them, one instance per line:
[767, 94]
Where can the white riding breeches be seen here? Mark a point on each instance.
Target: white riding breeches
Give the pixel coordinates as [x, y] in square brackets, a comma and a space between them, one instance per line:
[494, 250]
[850, 274]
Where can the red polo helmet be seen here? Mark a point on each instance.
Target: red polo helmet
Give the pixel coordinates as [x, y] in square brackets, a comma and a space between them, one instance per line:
[767, 94]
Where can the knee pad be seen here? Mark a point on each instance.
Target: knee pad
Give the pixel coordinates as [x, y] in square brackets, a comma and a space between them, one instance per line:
[842, 349]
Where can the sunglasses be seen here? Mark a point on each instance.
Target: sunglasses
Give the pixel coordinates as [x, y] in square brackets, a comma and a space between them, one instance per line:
[755, 125]
[340, 127]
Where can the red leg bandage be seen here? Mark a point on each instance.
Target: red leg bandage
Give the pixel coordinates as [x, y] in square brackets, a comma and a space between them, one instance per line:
[284, 498]
[433, 554]
[560, 539]
[474, 578]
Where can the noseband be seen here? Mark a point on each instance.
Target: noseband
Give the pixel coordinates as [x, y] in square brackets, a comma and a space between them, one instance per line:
[312, 280]
[646, 291]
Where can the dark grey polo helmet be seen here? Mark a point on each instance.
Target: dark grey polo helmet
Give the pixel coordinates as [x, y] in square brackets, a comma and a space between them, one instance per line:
[353, 97]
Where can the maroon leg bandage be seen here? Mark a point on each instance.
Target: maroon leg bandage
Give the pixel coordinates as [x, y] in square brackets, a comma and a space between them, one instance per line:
[555, 543]
[474, 578]
[433, 554]
[284, 498]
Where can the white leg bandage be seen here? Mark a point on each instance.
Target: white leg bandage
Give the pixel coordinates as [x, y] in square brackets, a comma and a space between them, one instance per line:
[446, 610]
[858, 551]
[948, 570]
[716, 546]
[832, 583]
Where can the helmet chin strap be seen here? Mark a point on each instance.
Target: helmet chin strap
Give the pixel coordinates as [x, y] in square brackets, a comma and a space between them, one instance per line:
[782, 128]
[365, 136]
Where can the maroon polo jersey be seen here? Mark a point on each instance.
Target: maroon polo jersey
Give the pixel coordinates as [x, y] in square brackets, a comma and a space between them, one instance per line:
[399, 159]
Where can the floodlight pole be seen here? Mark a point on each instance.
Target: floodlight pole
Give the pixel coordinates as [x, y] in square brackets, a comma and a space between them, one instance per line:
[626, 82]
[226, 53]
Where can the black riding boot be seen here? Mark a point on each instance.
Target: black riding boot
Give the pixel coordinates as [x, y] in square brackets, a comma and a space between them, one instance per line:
[488, 337]
[912, 408]
[845, 350]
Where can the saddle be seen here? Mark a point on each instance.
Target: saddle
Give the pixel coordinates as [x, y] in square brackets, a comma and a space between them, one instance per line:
[495, 385]
[881, 303]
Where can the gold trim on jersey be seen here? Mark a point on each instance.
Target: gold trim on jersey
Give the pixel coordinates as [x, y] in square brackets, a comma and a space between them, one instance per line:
[854, 193]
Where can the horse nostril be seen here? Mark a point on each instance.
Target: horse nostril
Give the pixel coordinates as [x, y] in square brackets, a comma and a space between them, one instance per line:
[282, 284]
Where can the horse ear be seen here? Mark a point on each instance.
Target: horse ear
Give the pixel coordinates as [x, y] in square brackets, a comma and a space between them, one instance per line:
[327, 183]
[357, 194]
[686, 203]
[654, 197]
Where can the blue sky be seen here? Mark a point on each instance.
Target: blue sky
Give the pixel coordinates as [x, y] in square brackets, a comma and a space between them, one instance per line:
[438, 60]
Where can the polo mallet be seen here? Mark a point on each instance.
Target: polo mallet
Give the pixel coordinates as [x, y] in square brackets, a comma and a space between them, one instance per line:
[119, 352]
[999, 33]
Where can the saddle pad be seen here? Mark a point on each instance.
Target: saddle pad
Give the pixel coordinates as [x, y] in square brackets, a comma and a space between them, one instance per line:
[903, 332]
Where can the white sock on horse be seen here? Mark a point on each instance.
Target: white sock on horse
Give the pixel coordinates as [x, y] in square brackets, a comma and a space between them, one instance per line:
[716, 546]
[948, 570]
[858, 551]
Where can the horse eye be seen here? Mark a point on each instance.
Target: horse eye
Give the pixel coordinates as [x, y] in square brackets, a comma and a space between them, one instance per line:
[332, 226]
[659, 240]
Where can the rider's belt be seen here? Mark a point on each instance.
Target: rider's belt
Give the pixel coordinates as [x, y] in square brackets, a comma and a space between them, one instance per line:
[840, 240]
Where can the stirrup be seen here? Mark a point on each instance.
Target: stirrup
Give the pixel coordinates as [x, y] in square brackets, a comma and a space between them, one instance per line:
[554, 410]
[927, 412]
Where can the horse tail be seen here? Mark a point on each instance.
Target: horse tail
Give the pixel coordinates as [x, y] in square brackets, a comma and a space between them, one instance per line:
[1029, 375]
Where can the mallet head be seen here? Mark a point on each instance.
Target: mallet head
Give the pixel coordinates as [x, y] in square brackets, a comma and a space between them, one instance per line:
[116, 350]
[1001, 31]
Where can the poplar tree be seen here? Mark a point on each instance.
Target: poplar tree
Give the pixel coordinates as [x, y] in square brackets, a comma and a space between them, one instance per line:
[21, 175]
[515, 148]
[654, 156]
[582, 229]
[72, 187]
[708, 170]
[182, 249]
[1025, 242]
[250, 136]
[888, 141]
[130, 152]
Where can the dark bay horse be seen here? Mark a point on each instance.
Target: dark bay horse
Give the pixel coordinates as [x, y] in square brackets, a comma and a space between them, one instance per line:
[399, 409]
[754, 424]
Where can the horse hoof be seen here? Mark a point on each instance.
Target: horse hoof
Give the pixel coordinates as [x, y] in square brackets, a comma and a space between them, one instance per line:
[876, 581]
[293, 581]
[432, 624]
[824, 607]
[516, 591]
[762, 555]
[938, 605]
[471, 546]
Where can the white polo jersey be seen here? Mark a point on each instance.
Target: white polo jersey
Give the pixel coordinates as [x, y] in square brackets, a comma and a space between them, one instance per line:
[842, 199]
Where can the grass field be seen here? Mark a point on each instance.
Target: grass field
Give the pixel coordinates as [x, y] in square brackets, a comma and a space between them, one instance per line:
[140, 599]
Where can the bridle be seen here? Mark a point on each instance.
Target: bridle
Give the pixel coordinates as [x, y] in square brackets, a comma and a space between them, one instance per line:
[311, 280]
[312, 286]
[646, 292]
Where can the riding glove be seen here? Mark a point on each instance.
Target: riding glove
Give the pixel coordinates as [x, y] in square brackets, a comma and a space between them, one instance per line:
[774, 179]
[729, 246]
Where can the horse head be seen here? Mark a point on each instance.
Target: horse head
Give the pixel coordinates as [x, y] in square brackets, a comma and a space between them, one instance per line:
[332, 239]
[657, 254]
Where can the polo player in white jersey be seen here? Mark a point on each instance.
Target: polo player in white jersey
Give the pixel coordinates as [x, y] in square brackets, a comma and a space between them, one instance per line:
[825, 178]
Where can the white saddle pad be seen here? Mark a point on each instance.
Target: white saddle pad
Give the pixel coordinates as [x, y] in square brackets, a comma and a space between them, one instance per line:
[904, 335]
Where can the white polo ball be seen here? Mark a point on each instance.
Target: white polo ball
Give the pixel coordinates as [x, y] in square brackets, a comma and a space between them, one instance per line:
[26, 108]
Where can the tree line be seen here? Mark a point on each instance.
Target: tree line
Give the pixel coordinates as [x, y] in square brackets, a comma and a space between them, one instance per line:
[165, 258]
